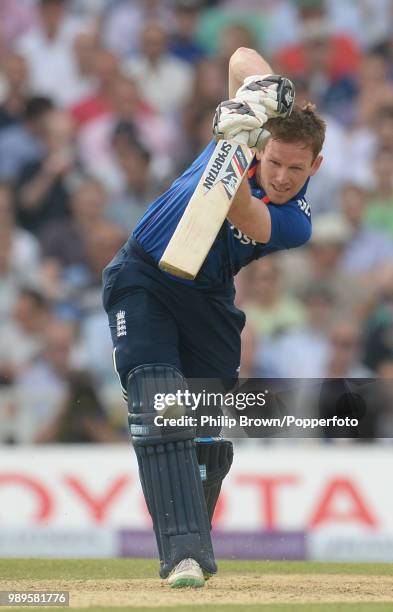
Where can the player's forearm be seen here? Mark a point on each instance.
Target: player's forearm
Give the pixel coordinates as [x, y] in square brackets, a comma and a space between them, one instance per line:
[243, 63]
[250, 215]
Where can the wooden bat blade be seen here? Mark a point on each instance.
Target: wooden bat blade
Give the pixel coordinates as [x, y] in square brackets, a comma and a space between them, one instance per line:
[207, 209]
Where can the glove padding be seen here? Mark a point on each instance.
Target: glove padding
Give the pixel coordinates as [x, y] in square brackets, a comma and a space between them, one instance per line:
[233, 117]
[274, 92]
[259, 98]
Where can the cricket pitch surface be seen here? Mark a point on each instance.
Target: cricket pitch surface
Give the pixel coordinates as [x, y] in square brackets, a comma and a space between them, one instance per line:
[133, 584]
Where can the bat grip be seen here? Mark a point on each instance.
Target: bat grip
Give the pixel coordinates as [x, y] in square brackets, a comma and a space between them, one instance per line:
[242, 137]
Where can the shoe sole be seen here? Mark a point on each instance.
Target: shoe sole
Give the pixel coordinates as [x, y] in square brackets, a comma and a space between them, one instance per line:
[188, 581]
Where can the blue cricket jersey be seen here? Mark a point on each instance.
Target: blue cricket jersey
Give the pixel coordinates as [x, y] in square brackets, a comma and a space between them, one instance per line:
[291, 226]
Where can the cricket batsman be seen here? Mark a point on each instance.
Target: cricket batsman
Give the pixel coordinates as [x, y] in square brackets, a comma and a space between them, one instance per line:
[166, 330]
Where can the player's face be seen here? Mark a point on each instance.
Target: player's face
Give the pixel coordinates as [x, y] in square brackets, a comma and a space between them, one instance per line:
[284, 168]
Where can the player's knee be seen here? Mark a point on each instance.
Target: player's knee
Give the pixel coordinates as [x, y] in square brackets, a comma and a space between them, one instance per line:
[127, 359]
[154, 405]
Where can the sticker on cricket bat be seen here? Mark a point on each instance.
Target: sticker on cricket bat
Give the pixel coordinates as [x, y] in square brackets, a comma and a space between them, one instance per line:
[226, 174]
[206, 210]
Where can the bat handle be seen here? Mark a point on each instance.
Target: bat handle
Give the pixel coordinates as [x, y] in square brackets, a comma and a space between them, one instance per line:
[242, 137]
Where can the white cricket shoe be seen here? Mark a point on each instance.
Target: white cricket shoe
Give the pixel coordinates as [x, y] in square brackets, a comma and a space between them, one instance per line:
[187, 573]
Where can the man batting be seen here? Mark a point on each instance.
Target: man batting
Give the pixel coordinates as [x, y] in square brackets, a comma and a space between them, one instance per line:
[167, 329]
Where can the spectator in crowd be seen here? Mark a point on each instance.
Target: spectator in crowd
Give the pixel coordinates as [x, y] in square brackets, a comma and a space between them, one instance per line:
[135, 117]
[183, 43]
[242, 286]
[383, 125]
[340, 48]
[210, 83]
[99, 102]
[21, 338]
[379, 211]
[82, 286]
[25, 248]
[65, 240]
[279, 21]
[368, 22]
[44, 383]
[302, 351]
[333, 93]
[336, 355]
[139, 189]
[83, 282]
[22, 143]
[251, 365]
[363, 144]
[10, 280]
[43, 186]
[323, 192]
[16, 18]
[344, 361]
[124, 23]
[378, 326]
[129, 106]
[320, 262]
[164, 81]
[47, 48]
[270, 309]
[233, 36]
[15, 76]
[86, 46]
[368, 248]
[372, 76]
[372, 404]
[210, 88]
[19, 256]
[75, 290]
[95, 119]
[116, 101]
[386, 49]
[199, 132]
[81, 417]
[382, 404]
[344, 358]
[96, 350]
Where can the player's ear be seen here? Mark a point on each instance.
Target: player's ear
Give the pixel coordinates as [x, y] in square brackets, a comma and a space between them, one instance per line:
[316, 165]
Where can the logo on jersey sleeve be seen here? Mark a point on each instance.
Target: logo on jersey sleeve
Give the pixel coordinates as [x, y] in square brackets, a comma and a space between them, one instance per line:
[243, 238]
[304, 206]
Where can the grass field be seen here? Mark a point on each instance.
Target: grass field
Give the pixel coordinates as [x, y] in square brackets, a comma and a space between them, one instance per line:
[132, 584]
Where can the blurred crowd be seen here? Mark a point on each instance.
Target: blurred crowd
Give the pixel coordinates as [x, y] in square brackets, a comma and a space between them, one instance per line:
[102, 104]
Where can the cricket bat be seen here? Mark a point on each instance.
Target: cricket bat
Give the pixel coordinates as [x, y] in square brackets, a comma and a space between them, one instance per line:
[207, 209]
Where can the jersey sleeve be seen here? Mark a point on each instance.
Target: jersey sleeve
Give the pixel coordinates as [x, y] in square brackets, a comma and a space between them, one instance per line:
[291, 224]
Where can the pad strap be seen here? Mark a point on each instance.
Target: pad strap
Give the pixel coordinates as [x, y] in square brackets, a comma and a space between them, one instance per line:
[215, 457]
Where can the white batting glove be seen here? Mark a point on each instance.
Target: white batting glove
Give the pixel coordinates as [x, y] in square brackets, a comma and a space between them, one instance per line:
[257, 139]
[274, 92]
[234, 117]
